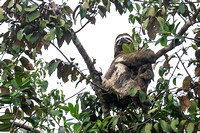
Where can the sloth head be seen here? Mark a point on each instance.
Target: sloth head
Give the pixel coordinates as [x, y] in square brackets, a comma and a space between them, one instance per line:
[119, 41]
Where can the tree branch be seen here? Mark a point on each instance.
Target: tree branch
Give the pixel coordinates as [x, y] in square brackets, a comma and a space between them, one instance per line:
[176, 42]
[96, 78]
[26, 127]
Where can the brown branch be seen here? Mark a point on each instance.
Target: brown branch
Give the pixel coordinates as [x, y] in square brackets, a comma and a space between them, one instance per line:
[96, 78]
[26, 127]
[176, 42]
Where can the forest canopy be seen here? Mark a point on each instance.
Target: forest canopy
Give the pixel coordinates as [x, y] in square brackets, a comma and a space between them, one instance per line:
[32, 26]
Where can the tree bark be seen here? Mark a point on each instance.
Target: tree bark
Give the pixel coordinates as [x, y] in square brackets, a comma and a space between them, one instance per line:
[95, 75]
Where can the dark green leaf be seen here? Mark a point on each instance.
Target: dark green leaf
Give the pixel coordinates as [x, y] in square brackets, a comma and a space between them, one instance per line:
[83, 12]
[6, 117]
[71, 108]
[5, 127]
[138, 7]
[198, 17]
[163, 41]
[174, 81]
[32, 16]
[195, 47]
[76, 109]
[77, 126]
[34, 37]
[28, 29]
[193, 107]
[133, 91]
[52, 67]
[181, 8]
[142, 96]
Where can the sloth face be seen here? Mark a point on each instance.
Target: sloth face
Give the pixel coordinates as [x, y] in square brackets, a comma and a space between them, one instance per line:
[121, 39]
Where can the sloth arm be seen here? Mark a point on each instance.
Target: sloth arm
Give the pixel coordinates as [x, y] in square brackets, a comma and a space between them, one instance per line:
[136, 59]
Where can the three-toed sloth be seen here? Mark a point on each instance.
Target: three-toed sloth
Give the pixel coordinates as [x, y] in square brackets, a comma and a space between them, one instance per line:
[128, 70]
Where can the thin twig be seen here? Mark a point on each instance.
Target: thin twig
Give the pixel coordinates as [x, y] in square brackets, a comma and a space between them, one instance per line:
[142, 122]
[83, 26]
[184, 67]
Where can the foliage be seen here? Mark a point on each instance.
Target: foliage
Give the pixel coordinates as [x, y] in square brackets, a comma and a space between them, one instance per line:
[25, 97]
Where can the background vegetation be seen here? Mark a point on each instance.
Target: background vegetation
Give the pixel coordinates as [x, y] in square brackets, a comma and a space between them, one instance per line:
[33, 25]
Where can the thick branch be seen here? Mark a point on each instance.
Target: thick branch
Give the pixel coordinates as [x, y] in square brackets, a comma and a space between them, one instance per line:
[96, 78]
[176, 42]
[26, 127]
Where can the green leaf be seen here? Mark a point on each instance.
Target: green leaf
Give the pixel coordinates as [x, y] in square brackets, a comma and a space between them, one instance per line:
[99, 123]
[51, 35]
[148, 128]
[3, 46]
[142, 96]
[151, 12]
[181, 8]
[163, 41]
[193, 107]
[156, 127]
[170, 97]
[34, 37]
[32, 8]
[71, 108]
[181, 125]
[174, 81]
[52, 67]
[32, 16]
[133, 91]
[145, 24]
[190, 127]
[76, 109]
[20, 35]
[161, 22]
[153, 110]
[19, 8]
[195, 47]
[173, 125]
[6, 117]
[127, 48]
[83, 12]
[198, 17]
[10, 4]
[44, 86]
[1, 14]
[114, 121]
[77, 126]
[164, 125]
[5, 127]
[138, 7]
[55, 112]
